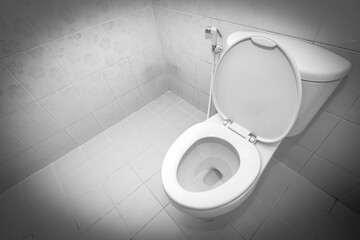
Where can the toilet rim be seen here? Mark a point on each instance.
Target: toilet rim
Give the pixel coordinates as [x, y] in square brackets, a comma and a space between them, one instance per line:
[245, 176]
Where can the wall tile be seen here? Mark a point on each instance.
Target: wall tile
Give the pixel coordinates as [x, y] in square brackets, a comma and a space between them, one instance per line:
[249, 13]
[32, 124]
[120, 8]
[203, 76]
[12, 94]
[292, 155]
[170, 63]
[209, 8]
[108, 115]
[316, 132]
[90, 12]
[10, 145]
[341, 25]
[329, 177]
[23, 165]
[174, 84]
[131, 102]
[189, 93]
[296, 18]
[66, 106]
[69, 163]
[120, 78]
[354, 113]
[187, 68]
[147, 64]
[163, 23]
[192, 40]
[185, 6]
[38, 71]
[141, 30]
[40, 182]
[55, 146]
[95, 91]
[203, 100]
[84, 129]
[16, 32]
[341, 147]
[52, 19]
[87, 52]
[349, 89]
[153, 89]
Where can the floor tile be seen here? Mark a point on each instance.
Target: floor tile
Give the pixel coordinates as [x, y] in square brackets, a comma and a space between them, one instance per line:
[160, 105]
[91, 207]
[108, 162]
[147, 163]
[13, 216]
[140, 117]
[120, 130]
[155, 186]
[80, 182]
[69, 163]
[161, 227]
[60, 227]
[131, 146]
[138, 209]
[110, 227]
[96, 145]
[121, 184]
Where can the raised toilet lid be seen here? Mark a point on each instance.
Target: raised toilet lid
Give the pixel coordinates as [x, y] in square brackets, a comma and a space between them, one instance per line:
[258, 86]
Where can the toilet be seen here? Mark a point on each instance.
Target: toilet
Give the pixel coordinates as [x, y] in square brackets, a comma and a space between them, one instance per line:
[265, 87]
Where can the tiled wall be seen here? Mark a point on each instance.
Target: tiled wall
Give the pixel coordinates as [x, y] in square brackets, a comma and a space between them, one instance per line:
[327, 153]
[70, 69]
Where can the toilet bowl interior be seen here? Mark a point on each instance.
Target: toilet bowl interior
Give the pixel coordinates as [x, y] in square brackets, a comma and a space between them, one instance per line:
[207, 164]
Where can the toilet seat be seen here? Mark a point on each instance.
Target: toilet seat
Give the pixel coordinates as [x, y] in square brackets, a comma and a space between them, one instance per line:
[244, 177]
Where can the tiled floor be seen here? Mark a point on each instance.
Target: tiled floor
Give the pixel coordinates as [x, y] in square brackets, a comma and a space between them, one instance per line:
[109, 188]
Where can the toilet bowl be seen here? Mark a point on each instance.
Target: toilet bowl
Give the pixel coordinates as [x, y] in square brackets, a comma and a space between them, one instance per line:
[214, 166]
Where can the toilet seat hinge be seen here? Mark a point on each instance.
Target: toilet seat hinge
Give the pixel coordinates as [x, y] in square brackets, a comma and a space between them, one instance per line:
[238, 129]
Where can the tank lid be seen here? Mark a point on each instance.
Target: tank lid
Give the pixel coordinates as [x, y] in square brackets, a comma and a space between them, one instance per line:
[315, 64]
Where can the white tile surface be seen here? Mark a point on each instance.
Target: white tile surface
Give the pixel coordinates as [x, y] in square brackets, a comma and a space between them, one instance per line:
[108, 115]
[69, 163]
[132, 145]
[38, 71]
[161, 227]
[340, 149]
[95, 91]
[66, 106]
[38, 182]
[110, 227]
[108, 162]
[24, 165]
[91, 207]
[121, 183]
[147, 163]
[138, 209]
[10, 145]
[84, 129]
[316, 132]
[96, 145]
[153, 88]
[160, 105]
[131, 102]
[329, 177]
[13, 218]
[292, 155]
[155, 186]
[32, 123]
[120, 78]
[14, 94]
[55, 146]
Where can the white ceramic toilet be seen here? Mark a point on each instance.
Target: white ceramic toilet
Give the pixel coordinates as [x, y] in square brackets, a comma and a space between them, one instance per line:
[263, 85]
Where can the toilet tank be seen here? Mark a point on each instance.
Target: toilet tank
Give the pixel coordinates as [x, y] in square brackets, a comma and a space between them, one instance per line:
[321, 72]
